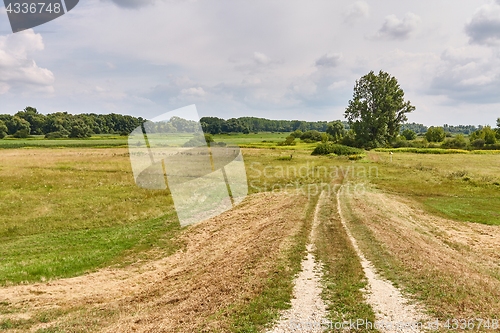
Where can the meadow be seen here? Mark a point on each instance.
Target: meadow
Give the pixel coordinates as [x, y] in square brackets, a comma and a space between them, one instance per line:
[71, 207]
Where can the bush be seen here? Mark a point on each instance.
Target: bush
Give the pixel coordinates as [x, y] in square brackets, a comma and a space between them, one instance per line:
[478, 143]
[22, 134]
[435, 134]
[311, 136]
[289, 141]
[331, 148]
[56, 135]
[409, 134]
[199, 140]
[457, 142]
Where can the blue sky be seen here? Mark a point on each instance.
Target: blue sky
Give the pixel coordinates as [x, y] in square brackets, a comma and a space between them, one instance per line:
[274, 59]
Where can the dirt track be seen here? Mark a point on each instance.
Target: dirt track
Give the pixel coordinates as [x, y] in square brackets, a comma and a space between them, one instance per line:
[462, 258]
[225, 261]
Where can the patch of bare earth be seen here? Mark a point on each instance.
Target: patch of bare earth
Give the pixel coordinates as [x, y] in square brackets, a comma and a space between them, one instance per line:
[462, 259]
[225, 261]
[393, 312]
[308, 311]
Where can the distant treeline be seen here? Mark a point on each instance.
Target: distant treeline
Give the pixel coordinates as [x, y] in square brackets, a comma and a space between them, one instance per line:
[214, 125]
[460, 129]
[62, 124]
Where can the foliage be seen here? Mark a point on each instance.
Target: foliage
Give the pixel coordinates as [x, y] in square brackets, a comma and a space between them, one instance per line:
[409, 134]
[214, 125]
[486, 133]
[289, 141]
[3, 130]
[336, 130]
[22, 134]
[331, 148]
[457, 142]
[377, 110]
[435, 134]
[478, 143]
[199, 140]
[417, 128]
[311, 136]
[79, 129]
[56, 135]
[296, 134]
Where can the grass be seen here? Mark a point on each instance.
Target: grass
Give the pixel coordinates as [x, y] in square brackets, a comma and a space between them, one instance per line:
[73, 210]
[418, 263]
[437, 151]
[265, 307]
[463, 187]
[343, 276]
[46, 256]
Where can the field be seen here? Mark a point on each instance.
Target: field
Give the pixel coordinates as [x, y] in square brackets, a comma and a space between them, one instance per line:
[83, 249]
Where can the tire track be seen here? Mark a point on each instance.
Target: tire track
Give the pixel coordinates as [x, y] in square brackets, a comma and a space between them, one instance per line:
[392, 309]
[308, 311]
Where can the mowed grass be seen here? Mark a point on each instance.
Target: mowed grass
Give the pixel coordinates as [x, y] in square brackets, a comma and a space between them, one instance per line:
[464, 187]
[67, 211]
[343, 275]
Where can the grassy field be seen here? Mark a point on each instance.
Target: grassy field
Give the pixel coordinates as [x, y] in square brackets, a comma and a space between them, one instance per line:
[70, 207]
[82, 201]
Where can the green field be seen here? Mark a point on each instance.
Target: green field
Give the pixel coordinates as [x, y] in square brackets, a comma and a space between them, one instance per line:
[71, 207]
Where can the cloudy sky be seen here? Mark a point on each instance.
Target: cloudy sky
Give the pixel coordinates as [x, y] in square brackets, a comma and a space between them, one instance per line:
[275, 59]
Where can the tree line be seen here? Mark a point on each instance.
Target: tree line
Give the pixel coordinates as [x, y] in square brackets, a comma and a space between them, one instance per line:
[215, 125]
[62, 124]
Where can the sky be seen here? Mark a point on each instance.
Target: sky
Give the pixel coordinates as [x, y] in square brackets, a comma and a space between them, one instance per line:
[274, 59]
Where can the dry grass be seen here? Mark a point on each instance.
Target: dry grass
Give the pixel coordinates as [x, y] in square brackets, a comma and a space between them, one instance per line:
[453, 267]
[225, 262]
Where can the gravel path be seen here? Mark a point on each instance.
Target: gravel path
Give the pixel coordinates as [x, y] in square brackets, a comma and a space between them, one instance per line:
[308, 310]
[392, 310]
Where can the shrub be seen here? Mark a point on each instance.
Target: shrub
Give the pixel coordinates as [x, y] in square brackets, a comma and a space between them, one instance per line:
[22, 134]
[478, 143]
[56, 135]
[409, 134]
[199, 140]
[435, 134]
[457, 142]
[331, 148]
[311, 136]
[289, 141]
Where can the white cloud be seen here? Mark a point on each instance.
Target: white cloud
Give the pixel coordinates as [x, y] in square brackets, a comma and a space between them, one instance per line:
[357, 11]
[484, 26]
[329, 60]
[261, 58]
[194, 91]
[19, 70]
[394, 28]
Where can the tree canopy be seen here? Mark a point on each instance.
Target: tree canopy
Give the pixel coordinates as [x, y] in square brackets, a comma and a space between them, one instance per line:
[377, 110]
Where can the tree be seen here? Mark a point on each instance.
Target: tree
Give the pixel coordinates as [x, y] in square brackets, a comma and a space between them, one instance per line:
[435, 134]
[3, 130]
[486, 133]
[377, 110]
[409, 134]
[16, 124]
[337, 130]
[35, 119]
[79, 129]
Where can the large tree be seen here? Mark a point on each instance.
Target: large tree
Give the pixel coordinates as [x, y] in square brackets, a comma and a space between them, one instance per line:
[377, 110]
